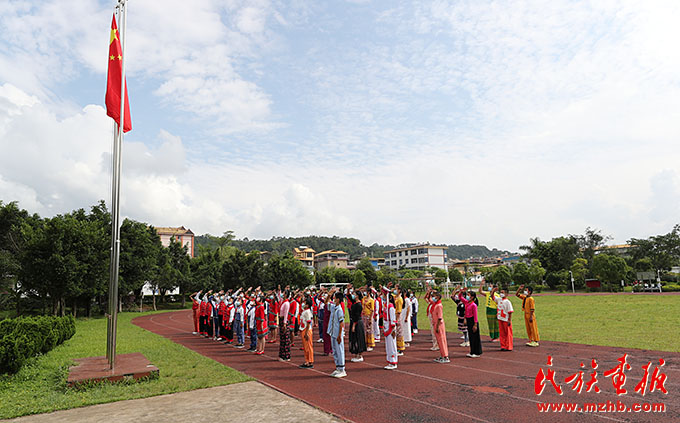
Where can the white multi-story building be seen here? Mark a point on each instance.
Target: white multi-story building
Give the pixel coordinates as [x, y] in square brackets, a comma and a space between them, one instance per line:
[416, 257]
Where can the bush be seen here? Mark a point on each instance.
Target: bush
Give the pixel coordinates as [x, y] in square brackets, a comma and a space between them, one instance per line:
[537, 288]
[26, 337]
[561, 287]
[670, 287]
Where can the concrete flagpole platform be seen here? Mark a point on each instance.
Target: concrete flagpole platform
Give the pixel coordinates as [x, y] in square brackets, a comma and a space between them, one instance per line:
[133, 366]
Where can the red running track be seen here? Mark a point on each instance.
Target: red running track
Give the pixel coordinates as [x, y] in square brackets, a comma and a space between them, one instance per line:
[498, 387]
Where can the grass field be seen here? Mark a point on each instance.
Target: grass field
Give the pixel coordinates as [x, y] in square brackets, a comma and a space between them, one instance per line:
[629, 321]
[40, 386]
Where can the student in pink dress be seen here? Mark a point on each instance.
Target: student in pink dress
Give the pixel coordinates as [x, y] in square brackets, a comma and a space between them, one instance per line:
[439, 327]
[469, 298]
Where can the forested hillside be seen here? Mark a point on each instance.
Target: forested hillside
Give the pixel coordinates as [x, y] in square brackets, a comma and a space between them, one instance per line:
[352, 246]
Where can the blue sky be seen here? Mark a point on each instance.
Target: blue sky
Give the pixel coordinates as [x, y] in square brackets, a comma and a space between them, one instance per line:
[450, 122]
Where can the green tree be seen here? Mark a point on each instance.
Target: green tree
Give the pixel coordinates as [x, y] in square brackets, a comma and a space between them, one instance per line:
[359, 278]
[662, 250]
[64, 259]
[178, 259]
[536, 272]
[139, 249]
[286, 270]
[325, 276]
[554, 279]
[644, 265]
[502, 276]
[205, 271]
[520, 274]
[367, 268]
[12, 245]
[386, 275]
[241, 270]
[554, 255]
[343, 276]
[610, 269]
[579, 269]
[440, 275]
[589, 241]
[455, 275]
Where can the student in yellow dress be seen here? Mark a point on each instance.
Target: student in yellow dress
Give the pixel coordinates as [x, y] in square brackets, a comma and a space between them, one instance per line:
[368, 309]
[398, 306]
[491, 311]
[528, 306]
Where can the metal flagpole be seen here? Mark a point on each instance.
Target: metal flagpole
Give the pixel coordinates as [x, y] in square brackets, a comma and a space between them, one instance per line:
[115, 200]
[114, 166]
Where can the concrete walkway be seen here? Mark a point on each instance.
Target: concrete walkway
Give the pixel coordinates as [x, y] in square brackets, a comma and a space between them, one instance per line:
[223, 403]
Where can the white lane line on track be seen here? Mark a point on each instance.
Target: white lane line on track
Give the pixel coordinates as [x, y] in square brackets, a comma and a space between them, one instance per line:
[346, 380]
[410, 374]
[182, 330]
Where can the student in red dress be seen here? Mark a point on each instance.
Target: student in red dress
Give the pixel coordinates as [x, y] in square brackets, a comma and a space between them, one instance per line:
[504, 316]
[293, 313]
[273, 317]
[261, 325]
[196, 304]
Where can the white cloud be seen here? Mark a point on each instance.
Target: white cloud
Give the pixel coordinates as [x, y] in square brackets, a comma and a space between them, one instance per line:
[465, 122]
[190, 53]
[665, 198]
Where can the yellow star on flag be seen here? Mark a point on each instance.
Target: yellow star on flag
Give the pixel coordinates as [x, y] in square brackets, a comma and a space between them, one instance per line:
[113, 35]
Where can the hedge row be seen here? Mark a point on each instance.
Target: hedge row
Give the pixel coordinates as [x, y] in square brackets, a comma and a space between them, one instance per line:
[26, 337]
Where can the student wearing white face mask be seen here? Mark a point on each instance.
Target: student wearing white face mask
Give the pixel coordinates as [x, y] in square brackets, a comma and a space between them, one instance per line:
[505, 311]
[239, 319]
[357, 333]
[529, 306]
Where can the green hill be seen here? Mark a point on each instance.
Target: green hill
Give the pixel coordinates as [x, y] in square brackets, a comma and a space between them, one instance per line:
[353, 246]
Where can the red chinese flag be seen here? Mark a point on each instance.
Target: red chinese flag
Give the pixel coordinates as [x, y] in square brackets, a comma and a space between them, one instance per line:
[113, 81]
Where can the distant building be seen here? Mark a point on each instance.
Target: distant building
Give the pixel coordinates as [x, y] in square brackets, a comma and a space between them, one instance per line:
[331, 258]
[621, 249]
[265, 256]
[377, 263]
[181, 235]
[511, 260]
[305, 255]
[416, 257]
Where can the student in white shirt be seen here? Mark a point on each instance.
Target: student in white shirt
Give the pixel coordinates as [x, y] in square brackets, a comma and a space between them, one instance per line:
[504, 316]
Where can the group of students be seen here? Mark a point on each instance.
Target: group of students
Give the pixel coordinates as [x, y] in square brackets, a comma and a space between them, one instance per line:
[388, 314]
